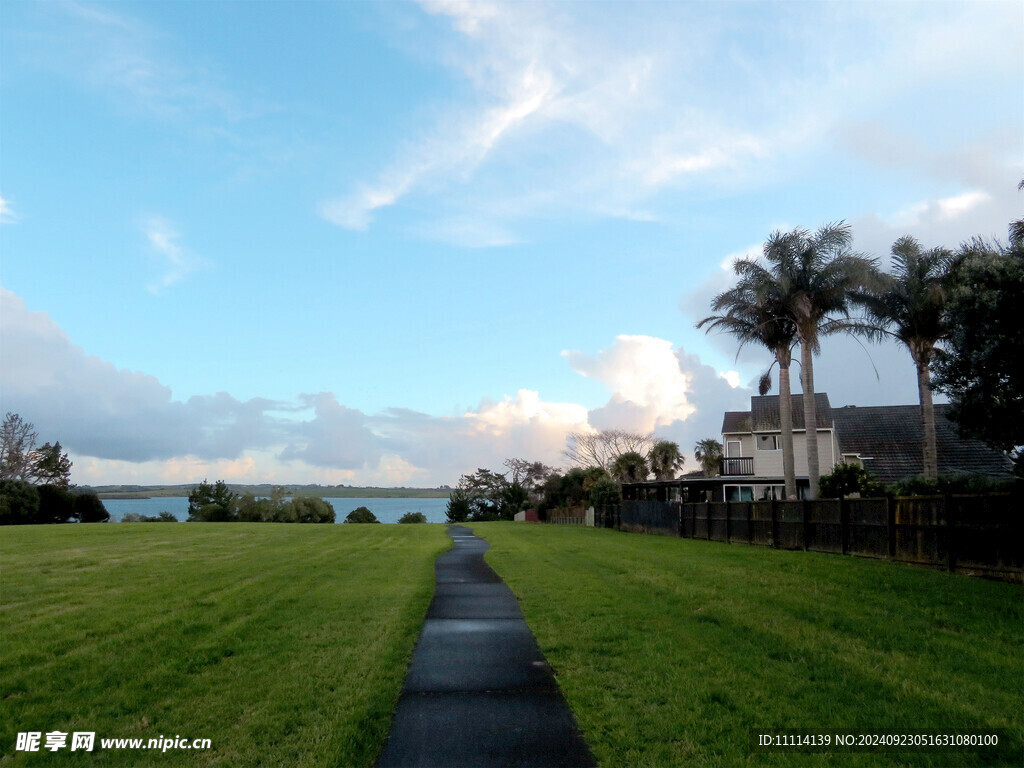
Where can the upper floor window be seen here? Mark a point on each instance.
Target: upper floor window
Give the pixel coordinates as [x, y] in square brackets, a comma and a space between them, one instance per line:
[768, 443]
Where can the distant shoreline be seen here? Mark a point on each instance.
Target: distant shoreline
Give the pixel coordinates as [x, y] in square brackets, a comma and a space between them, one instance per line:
[323, 491]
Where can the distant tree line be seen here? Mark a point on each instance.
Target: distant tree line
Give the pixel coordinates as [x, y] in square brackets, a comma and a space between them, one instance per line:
[603, 461]
[219, 504]
[35, 482]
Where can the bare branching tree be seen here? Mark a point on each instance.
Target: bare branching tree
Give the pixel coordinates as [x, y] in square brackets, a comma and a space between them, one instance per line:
[601, 449]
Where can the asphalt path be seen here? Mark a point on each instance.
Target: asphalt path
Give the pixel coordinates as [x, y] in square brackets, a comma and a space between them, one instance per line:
[479, 693]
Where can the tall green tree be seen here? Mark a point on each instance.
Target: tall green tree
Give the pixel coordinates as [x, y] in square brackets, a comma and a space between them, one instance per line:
[708, 453]
[665, 460]
[212, 503]
[21, 460]
[630, 467]
[980, 365]
[817, 274]
[908, 305]
[757, 310]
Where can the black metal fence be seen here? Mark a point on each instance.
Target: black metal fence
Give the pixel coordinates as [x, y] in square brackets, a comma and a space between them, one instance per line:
[983, 535]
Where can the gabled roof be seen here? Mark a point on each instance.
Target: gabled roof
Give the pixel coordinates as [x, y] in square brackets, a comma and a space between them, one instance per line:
[763, 415]
[892, 436]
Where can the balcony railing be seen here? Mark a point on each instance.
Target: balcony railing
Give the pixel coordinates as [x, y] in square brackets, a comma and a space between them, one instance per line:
[740, 465]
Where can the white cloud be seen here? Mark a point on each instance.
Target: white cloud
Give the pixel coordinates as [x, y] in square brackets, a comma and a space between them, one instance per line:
[952, 207]
[598, 109]
[648, 387]
[732, 377]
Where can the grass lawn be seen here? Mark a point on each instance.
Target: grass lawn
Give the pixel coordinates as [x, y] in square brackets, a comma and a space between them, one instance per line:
[671, 650]
[286, 645]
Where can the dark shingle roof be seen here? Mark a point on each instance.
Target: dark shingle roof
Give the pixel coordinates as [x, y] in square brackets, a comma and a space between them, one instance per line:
[892, 436]
[763, 415]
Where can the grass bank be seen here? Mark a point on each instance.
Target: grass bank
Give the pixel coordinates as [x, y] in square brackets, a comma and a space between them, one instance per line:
[671, 650]
[283, 644]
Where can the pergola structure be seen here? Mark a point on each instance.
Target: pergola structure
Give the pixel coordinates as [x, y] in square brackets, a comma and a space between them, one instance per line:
[686, 489]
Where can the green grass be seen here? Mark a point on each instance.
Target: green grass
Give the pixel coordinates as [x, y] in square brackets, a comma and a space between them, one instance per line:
[670, 650]
[286, 645]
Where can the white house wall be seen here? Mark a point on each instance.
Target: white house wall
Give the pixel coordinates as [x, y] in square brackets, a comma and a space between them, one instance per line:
[769, 463]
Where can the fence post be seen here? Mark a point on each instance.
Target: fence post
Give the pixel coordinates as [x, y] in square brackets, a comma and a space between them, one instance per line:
[728, 521]
[844, 525]
[707, 521]
[805, 516]
[947, 503]
[750, 523]
[775, 524]
[890, 508]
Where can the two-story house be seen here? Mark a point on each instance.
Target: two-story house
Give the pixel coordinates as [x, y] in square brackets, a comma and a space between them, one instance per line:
[885, 440]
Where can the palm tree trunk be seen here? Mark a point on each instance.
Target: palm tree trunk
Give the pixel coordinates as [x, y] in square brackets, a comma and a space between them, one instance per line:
[810, 416]
[786, 424]
[924, 391]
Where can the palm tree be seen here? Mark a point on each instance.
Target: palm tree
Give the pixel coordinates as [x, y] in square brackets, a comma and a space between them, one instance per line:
[908, 305]
[630, 467]
[708, 453]
[665, 460]
[819, 274]
[757, 310]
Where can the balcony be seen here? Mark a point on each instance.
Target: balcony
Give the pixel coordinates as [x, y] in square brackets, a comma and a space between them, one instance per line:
[737, 466]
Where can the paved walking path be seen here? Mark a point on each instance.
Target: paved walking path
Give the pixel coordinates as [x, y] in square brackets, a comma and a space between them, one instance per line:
[479, 693]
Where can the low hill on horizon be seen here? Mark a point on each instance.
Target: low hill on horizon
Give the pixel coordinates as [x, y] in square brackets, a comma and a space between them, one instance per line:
[263, 489]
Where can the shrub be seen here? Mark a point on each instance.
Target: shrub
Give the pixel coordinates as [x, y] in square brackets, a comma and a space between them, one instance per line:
[413, 517]
[361, 515]
[846, 480]
[89, 509]
[605, 493]
[135, 517]
[310, 509]
[56, 504]
[458, 506]
[19, 503]
[966, 484]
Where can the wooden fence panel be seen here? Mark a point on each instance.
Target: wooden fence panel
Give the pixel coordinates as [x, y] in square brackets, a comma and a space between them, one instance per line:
[823, 527]
[739, 515]
[920, 530]
[789, 524]
[868, 534]
[988, 534]
[718, 515]
[761, 523]
[977, 534]
[651, 517]
[700, 520]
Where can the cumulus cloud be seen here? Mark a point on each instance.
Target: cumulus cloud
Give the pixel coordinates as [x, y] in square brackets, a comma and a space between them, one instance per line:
[125, 426]
[658, 388]
[648, 387]
[96, 409]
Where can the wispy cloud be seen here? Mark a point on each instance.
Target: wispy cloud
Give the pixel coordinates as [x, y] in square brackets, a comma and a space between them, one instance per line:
[7, 214]
[179, 263]
[131, 62]
[602, 111]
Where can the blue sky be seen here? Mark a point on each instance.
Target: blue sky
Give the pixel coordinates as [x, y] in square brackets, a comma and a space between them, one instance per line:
[391, 242]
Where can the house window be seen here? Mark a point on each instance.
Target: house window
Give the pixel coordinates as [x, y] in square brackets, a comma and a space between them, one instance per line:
[733, 449]
[767, 492]
[768, 442]
[739, 493]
